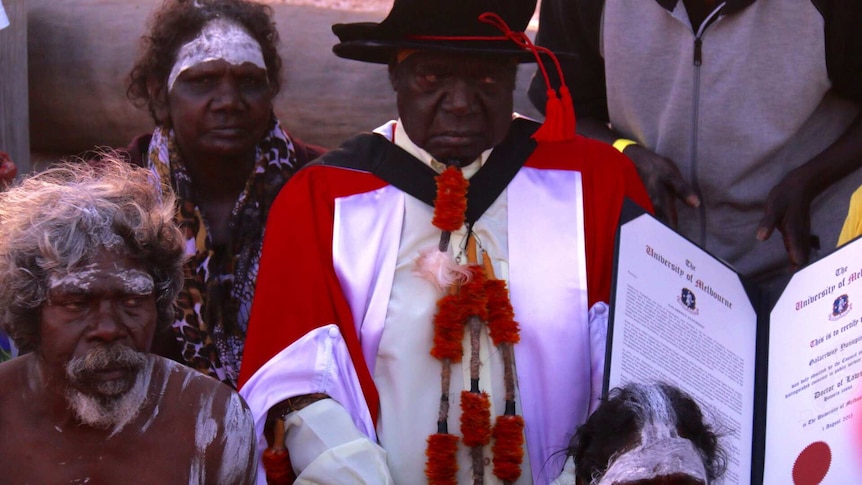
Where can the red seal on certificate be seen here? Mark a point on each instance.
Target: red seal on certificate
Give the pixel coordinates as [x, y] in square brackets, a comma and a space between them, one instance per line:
[812, 464]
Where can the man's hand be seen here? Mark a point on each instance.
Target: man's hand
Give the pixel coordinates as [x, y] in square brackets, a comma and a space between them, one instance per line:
[663, 181]
[788, 209]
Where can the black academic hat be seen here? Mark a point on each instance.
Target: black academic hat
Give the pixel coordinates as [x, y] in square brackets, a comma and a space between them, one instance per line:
[482, 27]
[442, 25]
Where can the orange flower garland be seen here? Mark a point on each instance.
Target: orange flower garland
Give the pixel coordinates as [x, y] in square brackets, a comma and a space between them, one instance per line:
[473, 299]
[442, 465]
[502, 326]
[451, 202]
[448, 329]
[508, 431]
[437, 265]
[475, 418]
[480, 299]
[449, 208]
[508, 447]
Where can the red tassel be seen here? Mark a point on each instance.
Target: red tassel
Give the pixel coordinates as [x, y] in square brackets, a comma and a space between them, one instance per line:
[559, 122]
[276, 462]
[569, 123]
[442, 465]
[508, 447]
[451, 202]
[449, 329]
[502, 326]
[551, 129]
[475, 418]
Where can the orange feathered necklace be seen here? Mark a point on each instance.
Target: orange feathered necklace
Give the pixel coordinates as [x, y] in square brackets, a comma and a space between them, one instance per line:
[473, 298]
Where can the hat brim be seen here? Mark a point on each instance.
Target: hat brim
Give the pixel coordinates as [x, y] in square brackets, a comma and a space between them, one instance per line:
[383, 51]
[371, 42]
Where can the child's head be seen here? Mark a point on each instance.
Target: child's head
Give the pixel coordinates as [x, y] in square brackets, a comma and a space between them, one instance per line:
[647, 434]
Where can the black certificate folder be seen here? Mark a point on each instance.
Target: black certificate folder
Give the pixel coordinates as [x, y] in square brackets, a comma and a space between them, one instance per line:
[780, 375]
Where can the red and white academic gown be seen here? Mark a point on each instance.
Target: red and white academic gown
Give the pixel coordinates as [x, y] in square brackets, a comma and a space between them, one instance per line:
[338, 309]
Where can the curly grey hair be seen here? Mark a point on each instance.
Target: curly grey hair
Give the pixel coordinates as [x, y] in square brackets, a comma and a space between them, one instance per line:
[64, 217]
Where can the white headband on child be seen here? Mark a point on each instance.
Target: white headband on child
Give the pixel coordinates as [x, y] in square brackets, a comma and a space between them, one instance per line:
[219, 39]
[661, 453]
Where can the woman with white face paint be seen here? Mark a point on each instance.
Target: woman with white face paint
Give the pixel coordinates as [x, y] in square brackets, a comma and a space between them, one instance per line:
[208, 74]
[644, 434]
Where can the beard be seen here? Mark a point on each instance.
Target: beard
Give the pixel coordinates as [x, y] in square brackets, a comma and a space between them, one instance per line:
[113, 403]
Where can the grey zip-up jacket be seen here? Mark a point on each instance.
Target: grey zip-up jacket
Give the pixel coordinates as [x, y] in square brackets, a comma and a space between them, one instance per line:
[759, 89]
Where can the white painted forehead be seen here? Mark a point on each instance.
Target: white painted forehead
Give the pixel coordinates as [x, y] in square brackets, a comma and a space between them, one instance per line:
[661, 453]
[219, 39]
[134, 281]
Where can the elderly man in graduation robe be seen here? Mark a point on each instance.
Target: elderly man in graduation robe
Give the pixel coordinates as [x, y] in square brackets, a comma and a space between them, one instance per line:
[431, 298]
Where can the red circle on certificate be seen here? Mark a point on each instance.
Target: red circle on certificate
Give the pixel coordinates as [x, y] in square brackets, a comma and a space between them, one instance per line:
[812, 464]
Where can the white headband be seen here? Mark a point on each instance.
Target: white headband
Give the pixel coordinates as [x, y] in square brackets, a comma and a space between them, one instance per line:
[219, 39]
[661, 453]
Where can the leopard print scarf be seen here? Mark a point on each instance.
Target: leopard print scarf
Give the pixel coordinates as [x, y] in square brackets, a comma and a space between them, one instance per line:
[214, 305]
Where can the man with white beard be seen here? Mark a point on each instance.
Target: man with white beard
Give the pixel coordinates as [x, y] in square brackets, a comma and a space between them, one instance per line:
[90, 266]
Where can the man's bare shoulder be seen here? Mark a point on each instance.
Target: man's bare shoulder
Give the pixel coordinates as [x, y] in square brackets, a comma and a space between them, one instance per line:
[12, 376]
[222, 422]
[11, 368]
[11, 379]
[187, 377]
[193, 390]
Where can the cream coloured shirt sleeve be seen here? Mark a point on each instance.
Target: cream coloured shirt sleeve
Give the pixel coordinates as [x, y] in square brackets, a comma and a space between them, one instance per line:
[598, 319]
[326, 448]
